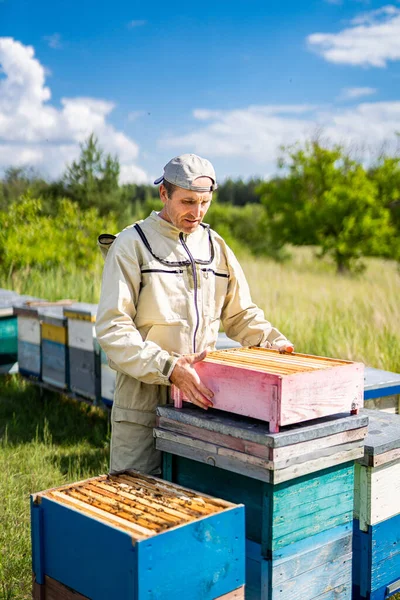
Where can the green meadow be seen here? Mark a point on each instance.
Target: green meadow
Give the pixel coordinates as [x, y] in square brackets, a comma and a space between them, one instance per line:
[47, 440]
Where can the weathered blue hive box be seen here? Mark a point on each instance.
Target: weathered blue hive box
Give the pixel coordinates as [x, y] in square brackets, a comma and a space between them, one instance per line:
[297, 487]
[84, 375]
[376, 572]
[134, 537]
[8, 328]
[54, 341]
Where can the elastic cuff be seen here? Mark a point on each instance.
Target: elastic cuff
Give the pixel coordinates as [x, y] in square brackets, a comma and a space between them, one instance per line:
[169, 366]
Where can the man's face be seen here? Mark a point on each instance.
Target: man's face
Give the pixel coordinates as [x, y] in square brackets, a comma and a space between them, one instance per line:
[186, 209]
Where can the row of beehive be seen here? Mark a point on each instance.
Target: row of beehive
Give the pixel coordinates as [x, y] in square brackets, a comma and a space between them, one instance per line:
[55, 344]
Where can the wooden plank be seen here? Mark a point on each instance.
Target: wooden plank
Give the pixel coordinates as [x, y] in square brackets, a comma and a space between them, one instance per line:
[215, 460]
[310, 559]
[385, 552]
[258, 431]
[317, 465]
[244, 464]
[294, 451]
[315, 394]
[215, 542]
[328, 519]
[384, 493]
[237, 594]
[320, 581]
[54, 590]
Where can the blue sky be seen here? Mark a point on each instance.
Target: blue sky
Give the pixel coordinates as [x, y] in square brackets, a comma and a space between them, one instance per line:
[229, 80]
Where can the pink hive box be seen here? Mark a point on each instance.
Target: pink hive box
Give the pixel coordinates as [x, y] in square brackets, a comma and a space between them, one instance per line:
[282, 389]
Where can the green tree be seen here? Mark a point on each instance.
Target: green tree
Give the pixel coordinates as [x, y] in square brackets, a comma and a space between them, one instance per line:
[92, 180]
[386, 176]
[31, 239]
[327, 199]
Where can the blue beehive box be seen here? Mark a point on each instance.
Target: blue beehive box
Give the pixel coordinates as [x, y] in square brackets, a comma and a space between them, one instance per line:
[84, 361]
[8, 328]
[376, 569]
[297, 487]
[54, 341]
[134, 537]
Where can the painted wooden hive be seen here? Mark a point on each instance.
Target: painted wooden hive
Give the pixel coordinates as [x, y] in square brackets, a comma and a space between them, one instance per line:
[54, 340]
[297, 487]
[134, 537]
[84, 376]
[376, 572]
[29, 338]
[284, 388]
[8, 328]
[107, 378]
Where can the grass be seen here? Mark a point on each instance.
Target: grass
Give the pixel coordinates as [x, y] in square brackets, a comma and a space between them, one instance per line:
[46, 440]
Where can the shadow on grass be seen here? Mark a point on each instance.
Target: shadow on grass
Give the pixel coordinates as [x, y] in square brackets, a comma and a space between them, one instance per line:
[27, 414]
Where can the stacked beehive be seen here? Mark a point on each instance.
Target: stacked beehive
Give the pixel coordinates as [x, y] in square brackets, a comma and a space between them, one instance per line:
[377, 510]
[131, 537]
[297, 485]
[29, 339]
[84, 368]
[54, 342]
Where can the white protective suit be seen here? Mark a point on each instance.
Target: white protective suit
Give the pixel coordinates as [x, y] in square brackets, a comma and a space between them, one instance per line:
[164, 294]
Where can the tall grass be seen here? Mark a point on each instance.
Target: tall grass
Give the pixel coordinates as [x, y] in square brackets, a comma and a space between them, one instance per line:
[350, 317]
[46, 440]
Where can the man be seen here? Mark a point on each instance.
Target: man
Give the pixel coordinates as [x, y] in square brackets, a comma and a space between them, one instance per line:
[168, 282]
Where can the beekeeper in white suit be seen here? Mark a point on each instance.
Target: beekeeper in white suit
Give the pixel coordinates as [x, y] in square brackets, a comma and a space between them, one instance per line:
[168, 281]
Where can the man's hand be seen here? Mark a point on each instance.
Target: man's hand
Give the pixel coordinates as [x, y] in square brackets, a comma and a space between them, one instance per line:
[283, 346]
[188, 382]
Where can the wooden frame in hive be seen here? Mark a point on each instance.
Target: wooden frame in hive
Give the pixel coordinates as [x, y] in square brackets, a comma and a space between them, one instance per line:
[132, 537]
[282, 389]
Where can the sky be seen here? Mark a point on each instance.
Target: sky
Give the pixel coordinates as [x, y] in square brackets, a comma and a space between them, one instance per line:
[229, 80]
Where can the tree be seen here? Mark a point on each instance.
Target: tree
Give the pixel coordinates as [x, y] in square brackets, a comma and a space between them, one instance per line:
[386, 176]
[92, 180]
[327, 199]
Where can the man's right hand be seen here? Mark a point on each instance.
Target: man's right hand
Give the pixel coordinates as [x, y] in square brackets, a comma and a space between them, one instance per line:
[188, 382]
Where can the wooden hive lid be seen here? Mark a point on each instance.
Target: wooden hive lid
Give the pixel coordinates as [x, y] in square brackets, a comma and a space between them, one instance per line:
[382, 443]
[271, 361]
[141, 505]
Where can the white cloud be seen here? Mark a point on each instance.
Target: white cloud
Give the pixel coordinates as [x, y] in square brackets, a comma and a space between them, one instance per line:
[356, 92]
[54, 41]
[256, 133]
[136, 23]
[373, 39]
[33, 132]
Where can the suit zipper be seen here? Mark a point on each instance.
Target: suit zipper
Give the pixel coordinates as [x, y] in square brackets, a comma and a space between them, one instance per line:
[195, 283]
